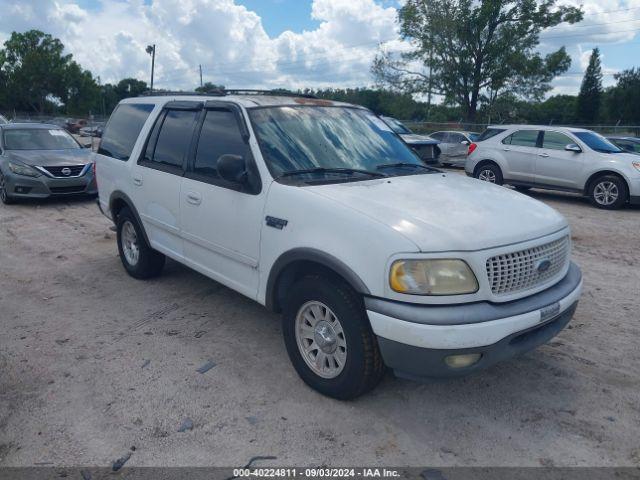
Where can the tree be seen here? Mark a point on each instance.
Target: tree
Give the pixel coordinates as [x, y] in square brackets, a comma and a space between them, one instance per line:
[36, 75]
[622, 102]
[589, 98]
[130, 87]
[209, 87]
[472, 51]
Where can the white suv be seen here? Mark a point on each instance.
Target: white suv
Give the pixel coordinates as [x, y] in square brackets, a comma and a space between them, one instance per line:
[556, 158]
[318, 210]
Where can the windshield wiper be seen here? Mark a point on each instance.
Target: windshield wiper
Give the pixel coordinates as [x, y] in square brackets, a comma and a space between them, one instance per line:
[405, 164]
[332, 170]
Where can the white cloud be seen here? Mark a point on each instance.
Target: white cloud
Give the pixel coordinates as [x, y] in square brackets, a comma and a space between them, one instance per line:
[227, 39]
[234, 49]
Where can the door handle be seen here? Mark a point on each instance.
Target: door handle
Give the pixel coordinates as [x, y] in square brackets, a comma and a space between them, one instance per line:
[137, 181]
[545, 155]
[194, 198]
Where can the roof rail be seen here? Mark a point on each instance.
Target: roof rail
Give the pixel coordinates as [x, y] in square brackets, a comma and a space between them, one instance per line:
[222, 93]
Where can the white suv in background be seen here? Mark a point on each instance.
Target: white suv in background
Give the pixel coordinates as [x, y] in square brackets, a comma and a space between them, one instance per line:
[316, 209]
[556, 158]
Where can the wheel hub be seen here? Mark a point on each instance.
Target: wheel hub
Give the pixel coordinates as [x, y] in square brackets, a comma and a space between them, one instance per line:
[325, 336]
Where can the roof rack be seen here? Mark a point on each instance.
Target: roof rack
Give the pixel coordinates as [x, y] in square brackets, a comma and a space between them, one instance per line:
[224, 92]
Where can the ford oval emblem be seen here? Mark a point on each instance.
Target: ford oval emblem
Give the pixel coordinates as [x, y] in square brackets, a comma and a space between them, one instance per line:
[543, 265]
[66, 171]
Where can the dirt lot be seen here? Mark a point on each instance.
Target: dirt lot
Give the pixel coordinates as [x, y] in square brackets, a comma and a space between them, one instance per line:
[93, 362]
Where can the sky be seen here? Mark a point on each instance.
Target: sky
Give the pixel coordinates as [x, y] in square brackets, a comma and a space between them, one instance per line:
[280, 43]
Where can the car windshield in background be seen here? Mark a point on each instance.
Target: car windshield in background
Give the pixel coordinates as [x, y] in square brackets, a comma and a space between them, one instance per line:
[488, 133]
[597, 142]
[397, 127]
[38, 139]
[332, 142]
[473, 136]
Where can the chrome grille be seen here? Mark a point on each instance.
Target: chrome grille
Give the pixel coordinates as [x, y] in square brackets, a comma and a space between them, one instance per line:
[517, 271]
[65, 171]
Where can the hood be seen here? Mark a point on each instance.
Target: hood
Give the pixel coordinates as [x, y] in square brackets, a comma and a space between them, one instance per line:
[413, 138]
[51, 158]
[444, 212]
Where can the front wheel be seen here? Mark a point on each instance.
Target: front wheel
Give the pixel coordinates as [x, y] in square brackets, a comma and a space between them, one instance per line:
[4, 195]
[489, 172]
[329, 339]
[608, 192]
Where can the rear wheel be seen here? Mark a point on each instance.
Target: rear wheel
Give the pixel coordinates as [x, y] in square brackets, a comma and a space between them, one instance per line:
[609, 192]
[489, 172]
[329, 339]
[139, 259]
[4, 195]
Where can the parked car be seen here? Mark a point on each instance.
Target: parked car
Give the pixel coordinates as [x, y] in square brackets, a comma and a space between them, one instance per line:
[628, 144]
[454, 146]
[3, 120]
[95, 131]
[556, 158]
[426, 147]
[316, 210]
[39, 161]
[74, 126]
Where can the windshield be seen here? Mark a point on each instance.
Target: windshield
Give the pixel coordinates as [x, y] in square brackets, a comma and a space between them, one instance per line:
[304, 138]
[397, 126]
[473, 136]
[597, 142]
[38, 139]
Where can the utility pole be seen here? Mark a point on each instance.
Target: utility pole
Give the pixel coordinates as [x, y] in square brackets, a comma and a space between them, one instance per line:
[151, 50]
[200, 74]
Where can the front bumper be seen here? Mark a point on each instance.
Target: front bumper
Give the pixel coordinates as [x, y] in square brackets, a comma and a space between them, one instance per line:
[415, 339]
[20, 186]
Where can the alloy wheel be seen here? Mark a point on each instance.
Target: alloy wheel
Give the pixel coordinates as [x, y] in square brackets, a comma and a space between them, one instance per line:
[487, 175]
[321, 339]
[130, 246]
[606, 193]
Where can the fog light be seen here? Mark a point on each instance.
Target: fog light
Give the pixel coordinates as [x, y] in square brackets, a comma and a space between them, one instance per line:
[462, 361]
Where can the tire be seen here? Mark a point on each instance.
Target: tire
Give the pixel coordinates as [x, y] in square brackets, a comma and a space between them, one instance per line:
[138, 258]
[489, 172]
[4, 196]
[522, 188]
[356, 348]
[608, 192]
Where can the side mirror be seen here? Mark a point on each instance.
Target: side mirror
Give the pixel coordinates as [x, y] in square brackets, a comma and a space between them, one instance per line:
[465, 142]
[232, 168]
[572, 147]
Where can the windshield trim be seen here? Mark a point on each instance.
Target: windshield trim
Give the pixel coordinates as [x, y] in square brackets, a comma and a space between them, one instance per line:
[344, 179]
[4, 141]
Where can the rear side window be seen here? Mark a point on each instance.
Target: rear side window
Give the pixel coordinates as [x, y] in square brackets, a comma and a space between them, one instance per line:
[523, 138]
[174, 138]
[488, 133]
[556, 140]
[456, 138]
[122, 131]
[438, 136]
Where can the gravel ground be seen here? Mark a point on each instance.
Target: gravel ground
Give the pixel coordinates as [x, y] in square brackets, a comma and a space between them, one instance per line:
[93, 362]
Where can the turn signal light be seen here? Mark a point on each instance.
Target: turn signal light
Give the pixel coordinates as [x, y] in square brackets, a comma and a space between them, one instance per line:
[472, 147]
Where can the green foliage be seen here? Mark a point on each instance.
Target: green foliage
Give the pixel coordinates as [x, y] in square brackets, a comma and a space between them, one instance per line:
[36, 75]
[622, 102]
[589, 98]
[471, 52]
[209, 87]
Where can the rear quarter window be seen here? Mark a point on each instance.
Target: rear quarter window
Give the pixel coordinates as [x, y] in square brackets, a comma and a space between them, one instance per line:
[123, 129]
[489, 132]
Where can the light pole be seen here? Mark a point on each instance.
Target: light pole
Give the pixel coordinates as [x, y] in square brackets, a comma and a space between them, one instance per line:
[151, 50]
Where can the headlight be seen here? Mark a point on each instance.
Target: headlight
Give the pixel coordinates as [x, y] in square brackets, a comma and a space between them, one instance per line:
[25, 170]
[636, 165]
[432, 277]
